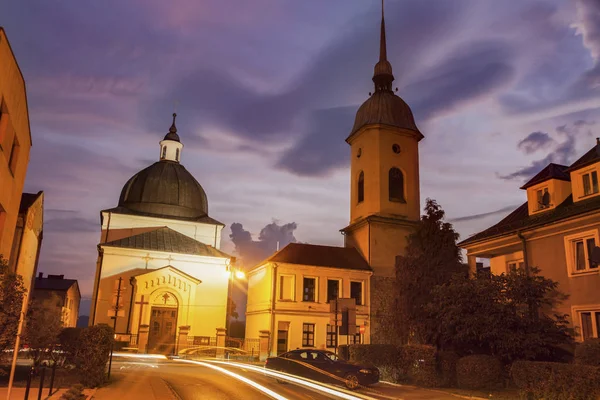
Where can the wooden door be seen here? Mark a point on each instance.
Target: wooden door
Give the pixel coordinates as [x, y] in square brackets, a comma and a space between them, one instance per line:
[163, 323]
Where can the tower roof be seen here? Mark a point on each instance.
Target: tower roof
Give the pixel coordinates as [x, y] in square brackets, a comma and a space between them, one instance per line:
[172, 135]
[383, 106]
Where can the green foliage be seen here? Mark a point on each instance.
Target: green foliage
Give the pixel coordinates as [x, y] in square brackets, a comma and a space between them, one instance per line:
[479, 371]
[493, 315]
[556, 381]
[383, 356]
[432, 258]
[94, 352]
[446, 367]
[70, 343]
[231, 309]
[588, 353]
[75, 392]
[43, 325]
[12, 294]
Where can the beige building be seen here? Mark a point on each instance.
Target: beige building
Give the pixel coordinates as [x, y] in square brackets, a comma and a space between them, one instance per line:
[557, 231]
[384, 210]
[15, 143]
[65, 290]
[160, 268]
[290, 294]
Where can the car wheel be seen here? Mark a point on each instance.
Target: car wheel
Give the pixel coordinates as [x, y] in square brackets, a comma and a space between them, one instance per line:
[351, 381]
[282, 381]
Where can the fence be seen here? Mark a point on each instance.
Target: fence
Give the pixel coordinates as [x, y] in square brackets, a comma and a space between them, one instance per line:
[235, 348]
[42, 372]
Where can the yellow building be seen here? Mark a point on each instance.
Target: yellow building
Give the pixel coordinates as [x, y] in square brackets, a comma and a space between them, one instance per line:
[290, 293]
[160, 268]
[557, 231]
[384, 210]
[15, 143]
[66, 292]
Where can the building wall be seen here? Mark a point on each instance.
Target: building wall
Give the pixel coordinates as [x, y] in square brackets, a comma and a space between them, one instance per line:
[499, 265]
[295, 311]
[71, 305]
[15, 140]
[203, 308]
[387, 241]
[120, 226]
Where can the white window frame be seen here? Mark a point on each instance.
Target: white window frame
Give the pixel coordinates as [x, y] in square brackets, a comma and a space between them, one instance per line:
[362, 290]
[279, 292]
[576, 312]
[316, 278]
[570, 253]
[589, 172]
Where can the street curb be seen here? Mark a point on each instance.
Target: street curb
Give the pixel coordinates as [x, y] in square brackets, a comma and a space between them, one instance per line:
[90, 393]
[460, 396]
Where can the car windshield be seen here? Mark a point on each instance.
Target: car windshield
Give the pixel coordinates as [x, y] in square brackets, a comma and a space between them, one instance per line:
[332, 356]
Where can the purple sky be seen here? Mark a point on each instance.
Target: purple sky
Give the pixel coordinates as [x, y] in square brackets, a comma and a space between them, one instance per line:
[266, 92]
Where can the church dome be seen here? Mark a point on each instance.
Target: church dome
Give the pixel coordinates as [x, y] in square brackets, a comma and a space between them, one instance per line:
[384, 107]
[165, 189]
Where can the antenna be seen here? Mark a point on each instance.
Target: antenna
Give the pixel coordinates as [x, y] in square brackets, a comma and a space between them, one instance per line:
[278, 245]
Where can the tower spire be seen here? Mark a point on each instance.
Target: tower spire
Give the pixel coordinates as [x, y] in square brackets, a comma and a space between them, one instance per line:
[173, 128]
[383, 76]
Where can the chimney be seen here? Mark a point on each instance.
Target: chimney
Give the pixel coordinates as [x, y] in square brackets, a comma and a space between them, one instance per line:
[41, 275]
[597, 141]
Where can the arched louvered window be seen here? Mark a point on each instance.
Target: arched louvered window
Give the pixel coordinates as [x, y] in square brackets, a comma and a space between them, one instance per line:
[361, 187]
[164, 152]
[176, 154]
[396, 185]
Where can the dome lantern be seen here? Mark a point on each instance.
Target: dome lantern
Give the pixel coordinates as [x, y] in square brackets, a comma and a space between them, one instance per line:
[170, 146]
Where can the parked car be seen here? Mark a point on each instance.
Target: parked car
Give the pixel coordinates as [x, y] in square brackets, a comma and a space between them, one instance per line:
[323, 366]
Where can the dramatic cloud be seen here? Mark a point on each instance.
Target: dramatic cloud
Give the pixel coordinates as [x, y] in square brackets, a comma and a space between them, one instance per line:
[270, 238]
[476, 217]
[535, 141]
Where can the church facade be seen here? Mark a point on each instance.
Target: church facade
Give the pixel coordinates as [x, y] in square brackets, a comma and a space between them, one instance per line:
[160, 269]
[384, 211]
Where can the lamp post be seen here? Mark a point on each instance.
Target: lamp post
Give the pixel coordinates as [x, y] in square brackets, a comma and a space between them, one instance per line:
[232, 274]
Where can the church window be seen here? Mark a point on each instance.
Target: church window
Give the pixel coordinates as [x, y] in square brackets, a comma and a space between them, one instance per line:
[396, 148]
[164, 152]
[396, 185]
[176, 154]
[361, 187]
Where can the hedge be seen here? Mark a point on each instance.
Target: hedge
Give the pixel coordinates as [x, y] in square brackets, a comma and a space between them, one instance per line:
[479, 372]
[549, 380]
[588, 353]
[446, 368]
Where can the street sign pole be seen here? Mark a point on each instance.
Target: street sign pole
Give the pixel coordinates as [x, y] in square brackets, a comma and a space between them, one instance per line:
[112, 345]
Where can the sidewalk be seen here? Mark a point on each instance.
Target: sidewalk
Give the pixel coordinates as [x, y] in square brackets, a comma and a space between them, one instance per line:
[138, 386]
[18, 393]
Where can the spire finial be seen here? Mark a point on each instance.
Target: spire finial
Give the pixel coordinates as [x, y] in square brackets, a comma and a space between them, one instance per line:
[382, 43]
[173, 128]
[383, 76]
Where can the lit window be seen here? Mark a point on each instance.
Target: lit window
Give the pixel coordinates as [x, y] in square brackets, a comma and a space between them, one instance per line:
[356, 292]
[331, 340]
[579, 250]
[355, 339]
[590, 183]
[361, 187]
[333, 289]
[176, 154]
[164, 152]
[396, 185]
[309, 289]
[286, 287]
[308, 335]
[589, 324]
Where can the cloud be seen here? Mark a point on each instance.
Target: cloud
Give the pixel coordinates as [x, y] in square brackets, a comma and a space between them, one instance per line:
[589, 25]
[535, 141]
[270, 238]
[476, 217]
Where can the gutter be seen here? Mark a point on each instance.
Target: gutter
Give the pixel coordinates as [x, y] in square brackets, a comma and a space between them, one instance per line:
[525, 259]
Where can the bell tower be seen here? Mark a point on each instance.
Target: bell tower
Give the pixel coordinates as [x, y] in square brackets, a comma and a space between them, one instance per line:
[384, 190]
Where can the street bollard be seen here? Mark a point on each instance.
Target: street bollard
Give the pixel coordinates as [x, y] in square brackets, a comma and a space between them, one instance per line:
[41, 383]
[29, 376]
[52, 379]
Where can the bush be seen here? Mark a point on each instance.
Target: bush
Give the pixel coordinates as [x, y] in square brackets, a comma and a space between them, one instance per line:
[446, 368]
[74, 393]
[383, 356]
[344, 351]
[94, 351]
[588, 353]
[479, 372]
[417, 365]
[548, 380]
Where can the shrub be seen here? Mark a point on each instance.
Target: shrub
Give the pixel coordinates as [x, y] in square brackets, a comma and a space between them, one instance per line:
[383, 356]
[548, 380]
[344, 351]
[417, 365]
[479, 372]
[588, 353]
[446, 368]
[74, 393]
[94, 351]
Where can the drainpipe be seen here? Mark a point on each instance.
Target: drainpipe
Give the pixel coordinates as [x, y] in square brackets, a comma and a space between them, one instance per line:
[525, 260]
[273, 299]
[132, 283]
[101, 252]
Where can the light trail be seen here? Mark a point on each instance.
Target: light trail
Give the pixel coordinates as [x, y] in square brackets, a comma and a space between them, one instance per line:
[133, 355]
[250, 382]
[318, 386]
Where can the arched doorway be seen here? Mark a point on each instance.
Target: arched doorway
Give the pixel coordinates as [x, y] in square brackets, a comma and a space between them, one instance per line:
[163, 323]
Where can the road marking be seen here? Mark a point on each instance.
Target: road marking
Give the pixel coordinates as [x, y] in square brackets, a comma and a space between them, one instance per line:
[300, 381]
[250, 382]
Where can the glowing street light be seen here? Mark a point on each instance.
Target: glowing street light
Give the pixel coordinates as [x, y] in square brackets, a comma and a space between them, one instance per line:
[240, 274]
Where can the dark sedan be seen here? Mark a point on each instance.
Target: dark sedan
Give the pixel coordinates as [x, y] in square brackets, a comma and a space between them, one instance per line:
[323, 366]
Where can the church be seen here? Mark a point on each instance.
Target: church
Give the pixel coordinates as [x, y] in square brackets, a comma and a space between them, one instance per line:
[160, 269]
[289, 293]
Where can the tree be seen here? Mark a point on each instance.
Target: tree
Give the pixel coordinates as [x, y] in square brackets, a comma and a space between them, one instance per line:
[432, 258]
[12, 295]
[232, 308]
[492, 315]
[43, 327]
